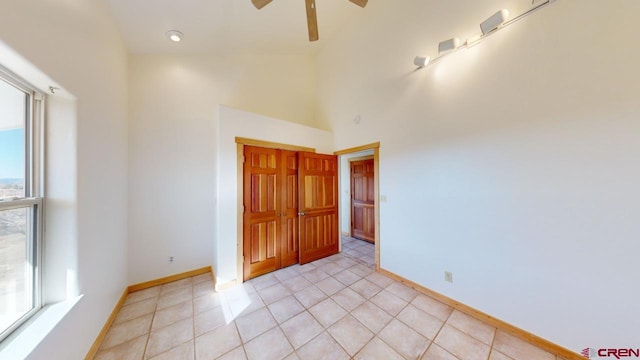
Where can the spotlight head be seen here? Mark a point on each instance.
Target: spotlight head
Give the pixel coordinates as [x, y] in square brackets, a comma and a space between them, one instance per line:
[448, 45]
[421, 61]
[494, 21]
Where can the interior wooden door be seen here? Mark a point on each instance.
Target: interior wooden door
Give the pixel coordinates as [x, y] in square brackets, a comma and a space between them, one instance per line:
[289, 210]
[262, 203]
[318, 206]
[363, 200]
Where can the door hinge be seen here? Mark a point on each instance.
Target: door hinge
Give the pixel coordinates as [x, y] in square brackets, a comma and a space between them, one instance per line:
[244, 158]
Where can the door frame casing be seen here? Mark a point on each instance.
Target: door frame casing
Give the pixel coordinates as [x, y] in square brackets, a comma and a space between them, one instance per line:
[376, 184]
[240, 144]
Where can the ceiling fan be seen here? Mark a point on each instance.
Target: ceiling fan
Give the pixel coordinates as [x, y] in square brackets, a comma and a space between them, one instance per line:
[312, 20]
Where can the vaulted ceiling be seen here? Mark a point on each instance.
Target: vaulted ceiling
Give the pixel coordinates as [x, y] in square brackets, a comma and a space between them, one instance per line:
[227, 26]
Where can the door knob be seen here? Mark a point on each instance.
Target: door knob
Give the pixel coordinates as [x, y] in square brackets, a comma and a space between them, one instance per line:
[302, 213]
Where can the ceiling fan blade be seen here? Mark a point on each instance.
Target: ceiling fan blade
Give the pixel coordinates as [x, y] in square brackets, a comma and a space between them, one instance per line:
[312, 20]
[361, 3]
[260, 3]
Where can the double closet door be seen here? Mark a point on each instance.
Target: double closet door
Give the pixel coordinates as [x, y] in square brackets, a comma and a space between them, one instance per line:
[290, 210]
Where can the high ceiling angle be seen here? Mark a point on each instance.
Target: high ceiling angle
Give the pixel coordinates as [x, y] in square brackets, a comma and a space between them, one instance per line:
[312, 19]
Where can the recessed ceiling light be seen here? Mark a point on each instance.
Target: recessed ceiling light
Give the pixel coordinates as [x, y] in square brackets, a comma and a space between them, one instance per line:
[175, 35]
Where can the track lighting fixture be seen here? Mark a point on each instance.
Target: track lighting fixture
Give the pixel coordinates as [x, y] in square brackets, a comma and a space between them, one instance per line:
[495, 22]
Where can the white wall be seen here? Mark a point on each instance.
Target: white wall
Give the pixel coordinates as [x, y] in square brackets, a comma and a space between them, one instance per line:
[173, 147]
[513, 164]
[76, 44]
[234, 123]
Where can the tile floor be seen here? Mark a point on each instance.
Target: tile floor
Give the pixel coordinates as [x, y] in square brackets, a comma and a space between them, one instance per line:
[334, 308]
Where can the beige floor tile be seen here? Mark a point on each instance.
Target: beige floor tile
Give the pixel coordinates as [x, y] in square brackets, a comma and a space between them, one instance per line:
[297, 283]
[207, 302]
[345, 262]
[389, 302]
[310, 296]
[435, 352]
[402, 291]
[169, 337]
[330, 286]
[135, 310]
[130, 350]
[432, 306]
[235, 354]
[496, 355]
[264, 281]
[127, 330]
[272, 345]
[361, 270]
[306, 267]
[301, 328]
[404, 340]
[372, 316]
[174, 297]
[331, 268]
[327, 312]
[172, 314]
[322, 347]
[377, 349]
[176, 285]
[241, 306]
[347, 277]
[273, 293]
[379, 279]
[203, 288]
[284, 309]
[473, 327]
[292, 356]
[518, 349]
[286, 273]
[365, 288]
[425, 324]
[350, 334]
[142, 295]
[348, 299]
[208, 321]
[315, 275]
[217, 342]
[255, 324]
[202, 278]
[185, 351]
[461, 344]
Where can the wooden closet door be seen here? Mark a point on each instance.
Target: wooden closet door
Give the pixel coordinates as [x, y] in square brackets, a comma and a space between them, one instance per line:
[318, 206]
[289, 211]
[262, 204]
[363, 200]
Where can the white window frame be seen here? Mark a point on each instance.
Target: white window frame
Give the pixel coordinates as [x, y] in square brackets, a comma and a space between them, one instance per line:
[34, 187]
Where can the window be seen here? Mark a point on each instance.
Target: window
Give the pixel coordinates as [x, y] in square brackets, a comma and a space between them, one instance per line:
[21, 202]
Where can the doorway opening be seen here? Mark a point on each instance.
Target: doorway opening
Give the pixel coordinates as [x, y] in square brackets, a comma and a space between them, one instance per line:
[360, 228]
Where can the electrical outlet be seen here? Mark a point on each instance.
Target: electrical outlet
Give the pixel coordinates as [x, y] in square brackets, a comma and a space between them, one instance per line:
[448, 276]
[170, 259]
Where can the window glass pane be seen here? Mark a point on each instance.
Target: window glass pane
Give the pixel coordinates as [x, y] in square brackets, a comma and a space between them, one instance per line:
[12, 141]
[16, 265]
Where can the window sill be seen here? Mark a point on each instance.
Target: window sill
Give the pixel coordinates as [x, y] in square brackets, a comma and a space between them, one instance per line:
[27, 337]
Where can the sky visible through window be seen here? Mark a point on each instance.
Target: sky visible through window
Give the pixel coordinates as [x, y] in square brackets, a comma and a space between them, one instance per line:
[11, 154]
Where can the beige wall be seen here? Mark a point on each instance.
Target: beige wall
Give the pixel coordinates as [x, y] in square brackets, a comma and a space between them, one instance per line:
[174, 149]
[76, 44]
[512, 164]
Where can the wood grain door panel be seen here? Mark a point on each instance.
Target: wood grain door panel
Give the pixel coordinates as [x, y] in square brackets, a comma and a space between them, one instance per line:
[289, 213]
[318, 179]
[363, 200]
[261, 217]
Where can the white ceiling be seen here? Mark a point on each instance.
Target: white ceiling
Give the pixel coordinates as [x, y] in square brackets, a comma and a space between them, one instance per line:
[227, 26]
